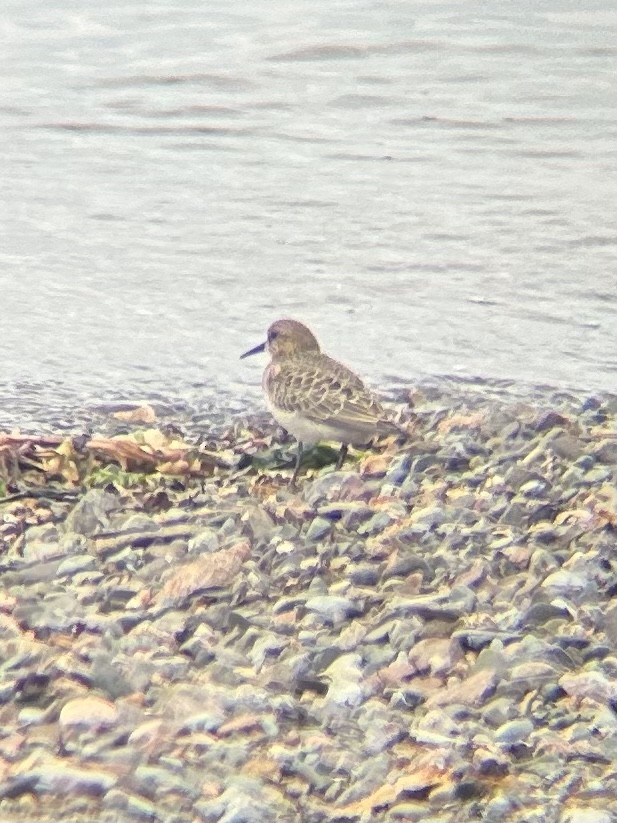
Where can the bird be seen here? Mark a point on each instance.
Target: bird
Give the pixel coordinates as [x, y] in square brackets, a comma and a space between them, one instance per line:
[314, 397]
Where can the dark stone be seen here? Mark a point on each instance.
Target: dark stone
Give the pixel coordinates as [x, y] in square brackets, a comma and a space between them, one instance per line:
[545, 511]
[365, 575]
[567, 447]
[468, 789]
[325, 658]
[552, 692]
[31, 688]
[421, 464]
[548, 420]
[405, 565]
[607, 452]
[457, 464]
[541, 613]
[598, 652]
[309, 684]
[514, 516]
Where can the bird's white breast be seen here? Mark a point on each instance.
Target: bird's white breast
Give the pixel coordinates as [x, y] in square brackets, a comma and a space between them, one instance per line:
[306, 431]
[309, 432]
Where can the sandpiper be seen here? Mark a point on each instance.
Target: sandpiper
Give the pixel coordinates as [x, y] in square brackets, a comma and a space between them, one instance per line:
[314, 397]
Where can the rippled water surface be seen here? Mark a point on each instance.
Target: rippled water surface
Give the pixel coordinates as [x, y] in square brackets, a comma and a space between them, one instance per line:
[431, 186]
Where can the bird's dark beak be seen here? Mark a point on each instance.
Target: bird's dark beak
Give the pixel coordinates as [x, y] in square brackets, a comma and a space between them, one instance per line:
[256, 350]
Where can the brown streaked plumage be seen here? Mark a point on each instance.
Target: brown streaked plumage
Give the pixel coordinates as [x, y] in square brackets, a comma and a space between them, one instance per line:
[315, 397]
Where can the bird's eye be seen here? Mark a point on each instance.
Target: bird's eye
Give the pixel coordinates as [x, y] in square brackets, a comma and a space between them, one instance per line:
[272, 335]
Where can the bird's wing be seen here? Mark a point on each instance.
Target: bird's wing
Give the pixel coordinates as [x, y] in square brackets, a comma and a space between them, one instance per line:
[326, 391]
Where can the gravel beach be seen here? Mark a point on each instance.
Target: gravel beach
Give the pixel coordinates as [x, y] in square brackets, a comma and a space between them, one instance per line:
[429, 634]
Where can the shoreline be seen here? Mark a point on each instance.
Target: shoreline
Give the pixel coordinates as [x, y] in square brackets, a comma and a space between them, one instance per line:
[194, 406]
[427, 634]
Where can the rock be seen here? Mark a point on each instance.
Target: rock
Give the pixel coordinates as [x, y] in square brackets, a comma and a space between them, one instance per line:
[501, 808]
[139, 522]
[73, 565]
[492, 658]
[518, 476]
[534, 673]
[433, 645]
[373, 465]
[598, 475]
[205, 721]
[477, 639]
[378, 523]
[473, 691]
[42, 543]
[31, 716]
[435, 655]
[432, 606]
[606, 452]
[548, 420]
[404, 564]
[54, 776]
[92, 512]
[318, 529]
[514, 515]
[356, 514]
[533, 488]
[333, 608]
[205, 541]
[422, 519]
[91, 712]
[209, 571]
[566, 583]
[245, 799]
[491, 763]
[344, 677]
[540, 613]
[421, 464]
[498, 711]
[132, 806]
[567, 447]
[334, 486]
[586, 814]
[592, 684]
[364, 574]
[399, 470]
[513, 732]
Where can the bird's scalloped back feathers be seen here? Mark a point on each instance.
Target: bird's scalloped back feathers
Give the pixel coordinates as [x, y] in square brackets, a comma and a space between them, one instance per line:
[326, 391]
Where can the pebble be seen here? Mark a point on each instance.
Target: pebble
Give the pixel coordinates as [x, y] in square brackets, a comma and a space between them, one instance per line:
[398, 470]
[592, 684]
[404, 639]
[57, 777]
[423, 519]
[75, 564]
[606, 452]
[318, 529]
[435, 655]
[92, 512]
[333, 608]
[473, 691]
[498, 711]
[134, 807]
[205, 541]
[42, 543]
[93, 712]
[540, 613]
[586, 814]
[567, 447]
[513, 731]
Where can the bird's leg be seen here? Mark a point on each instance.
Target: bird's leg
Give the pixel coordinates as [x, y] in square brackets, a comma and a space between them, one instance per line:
[294, 477]
[341, 456]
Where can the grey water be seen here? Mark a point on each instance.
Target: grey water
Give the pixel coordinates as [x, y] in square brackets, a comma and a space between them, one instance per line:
[431, 186]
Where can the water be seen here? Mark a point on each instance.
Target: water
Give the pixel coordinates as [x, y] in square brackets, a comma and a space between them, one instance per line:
[431, 186]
